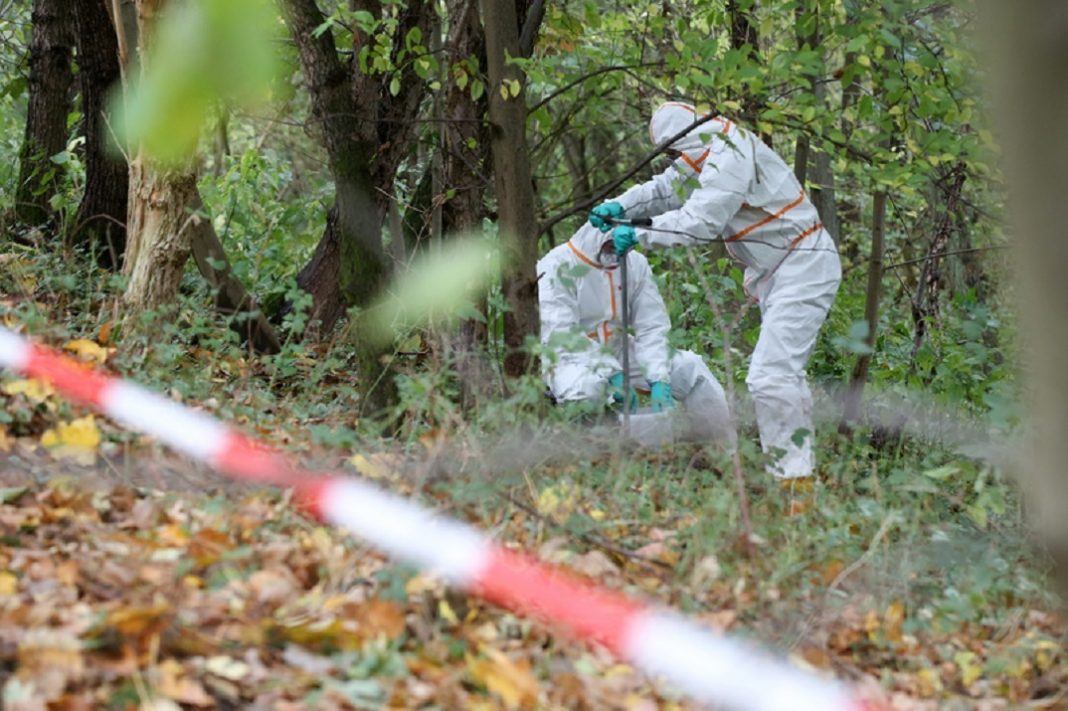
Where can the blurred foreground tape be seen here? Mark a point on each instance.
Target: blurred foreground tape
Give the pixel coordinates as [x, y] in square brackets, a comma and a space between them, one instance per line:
[706, 665]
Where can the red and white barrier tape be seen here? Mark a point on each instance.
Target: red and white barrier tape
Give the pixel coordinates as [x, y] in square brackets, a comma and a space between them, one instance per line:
[707, 666]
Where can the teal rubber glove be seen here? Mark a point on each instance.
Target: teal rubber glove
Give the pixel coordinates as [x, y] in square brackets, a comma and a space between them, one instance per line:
[624, 237]
[661, 398]
[615, 386]
[604, 212]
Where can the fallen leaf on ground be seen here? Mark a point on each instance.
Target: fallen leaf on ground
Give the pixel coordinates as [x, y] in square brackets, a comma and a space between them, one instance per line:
[512, 681]
[77, 440]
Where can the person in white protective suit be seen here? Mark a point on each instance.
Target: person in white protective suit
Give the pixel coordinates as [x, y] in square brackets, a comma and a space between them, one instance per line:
[580, 297]
[725, 183]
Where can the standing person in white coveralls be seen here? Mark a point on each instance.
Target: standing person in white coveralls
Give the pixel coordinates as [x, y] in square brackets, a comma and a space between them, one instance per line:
[580, 297]
[725, 183]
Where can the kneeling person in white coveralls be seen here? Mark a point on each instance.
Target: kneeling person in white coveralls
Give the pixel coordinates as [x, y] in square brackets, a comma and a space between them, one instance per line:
[580, 296]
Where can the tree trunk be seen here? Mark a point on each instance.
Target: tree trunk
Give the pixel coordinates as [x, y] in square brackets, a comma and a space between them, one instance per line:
[158, 226]
[367, 131]
[349, 265]
[101, 218]
[855, 394]
[161, 206]
[1029, 58]
[925, 303]
[512, 179]
[821, 188]
[746, 38]
[50, 105]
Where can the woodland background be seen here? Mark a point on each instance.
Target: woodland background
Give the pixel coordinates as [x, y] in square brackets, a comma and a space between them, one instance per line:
[216, 207]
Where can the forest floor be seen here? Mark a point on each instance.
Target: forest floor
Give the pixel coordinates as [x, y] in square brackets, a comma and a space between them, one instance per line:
[130, 578]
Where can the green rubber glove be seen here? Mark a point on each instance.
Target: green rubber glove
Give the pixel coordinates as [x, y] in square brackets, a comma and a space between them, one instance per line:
[615, 386]
[661, 398]
[604, 212]
[624, 237]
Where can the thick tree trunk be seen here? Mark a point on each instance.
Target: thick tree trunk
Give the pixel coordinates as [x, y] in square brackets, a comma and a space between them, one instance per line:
[349, 265]
[50, 104]
[1029, 39]
[367, 132]
[512, 179]
[160, 210]
[101, 218]
[159, 232]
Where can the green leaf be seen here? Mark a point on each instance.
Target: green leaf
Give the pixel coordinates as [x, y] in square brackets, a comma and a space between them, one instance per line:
[11, 494]
[942, 473]
[394, 86]
[477, 89]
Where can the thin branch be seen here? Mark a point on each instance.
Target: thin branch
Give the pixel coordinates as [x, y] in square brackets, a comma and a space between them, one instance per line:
[588, 538]
[586, 77]
[612, 186]
[531, 26]
[936, 255]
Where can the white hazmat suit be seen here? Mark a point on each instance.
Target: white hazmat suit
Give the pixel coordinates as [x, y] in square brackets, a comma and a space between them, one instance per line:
[728, 184]
[580, 302]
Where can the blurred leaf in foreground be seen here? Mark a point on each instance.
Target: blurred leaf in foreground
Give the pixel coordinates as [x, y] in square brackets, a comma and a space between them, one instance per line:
[204, 52]
[438, 287]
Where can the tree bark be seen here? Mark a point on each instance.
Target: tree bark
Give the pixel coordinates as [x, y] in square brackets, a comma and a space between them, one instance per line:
[1028, 50]
[746, 38]
[367, 132]
[51, 78]
[925, 303]
[159, 236]
[101, 218]
[512, 180]
[160, 208]
[855, 394]
[809, 162]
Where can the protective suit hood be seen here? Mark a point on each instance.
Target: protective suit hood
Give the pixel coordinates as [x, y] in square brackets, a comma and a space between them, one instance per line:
[668, 120]
[588, 240]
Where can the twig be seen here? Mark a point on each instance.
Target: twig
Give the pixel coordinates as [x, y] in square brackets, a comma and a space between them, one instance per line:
[736, 455]
[853, 567]
[607, 190]
[589, 538]
[586, 77]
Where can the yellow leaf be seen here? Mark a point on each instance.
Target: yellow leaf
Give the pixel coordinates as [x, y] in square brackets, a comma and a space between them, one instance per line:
[970, 671]
[892, 621]
[446, 612]
[513, 682]
[376, 466]
[420, 584]
[1045, 652]
[5, 441]
[9, 584]
[557, 501]
[77, 440]
[929, 681]
[34, 389]
[88, 350]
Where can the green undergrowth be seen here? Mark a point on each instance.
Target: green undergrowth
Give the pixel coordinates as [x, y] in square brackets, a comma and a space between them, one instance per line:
[908, 553]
